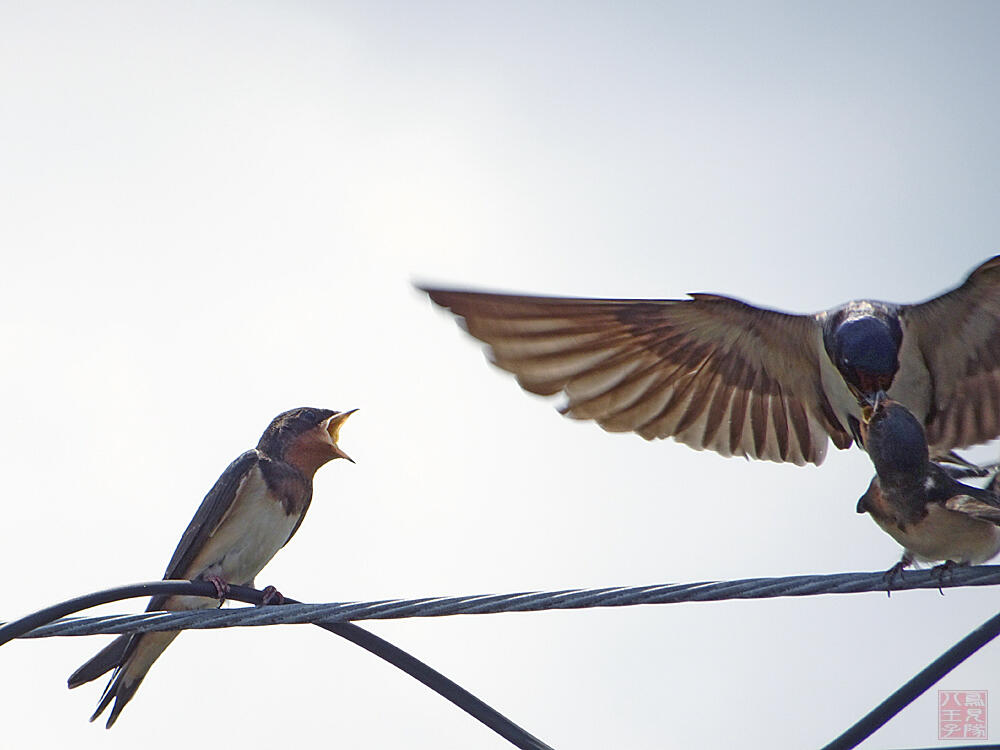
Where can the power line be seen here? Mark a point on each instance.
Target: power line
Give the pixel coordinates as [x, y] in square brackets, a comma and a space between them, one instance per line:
[668, 593]
[372, 643]
[337, 617]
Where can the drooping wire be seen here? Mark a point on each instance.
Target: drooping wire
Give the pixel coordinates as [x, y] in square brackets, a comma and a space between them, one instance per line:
[430, 677]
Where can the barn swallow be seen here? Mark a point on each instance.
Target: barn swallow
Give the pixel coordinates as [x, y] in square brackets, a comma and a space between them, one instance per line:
[917, 502]
[250, 513]
[715, 372]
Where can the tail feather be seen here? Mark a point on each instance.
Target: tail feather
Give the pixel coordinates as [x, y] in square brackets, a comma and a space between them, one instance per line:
[103, 661]
[107, 696]
[120, 691]
[135, 655]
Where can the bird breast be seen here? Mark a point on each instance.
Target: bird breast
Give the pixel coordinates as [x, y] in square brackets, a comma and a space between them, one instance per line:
[255, 528]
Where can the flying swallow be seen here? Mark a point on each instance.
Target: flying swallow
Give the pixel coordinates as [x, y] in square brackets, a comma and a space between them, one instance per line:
[917, 502]
[714, 372]
[250, 513]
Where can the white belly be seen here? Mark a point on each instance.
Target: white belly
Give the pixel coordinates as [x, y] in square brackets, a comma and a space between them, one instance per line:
[948, 535]
[248, 537]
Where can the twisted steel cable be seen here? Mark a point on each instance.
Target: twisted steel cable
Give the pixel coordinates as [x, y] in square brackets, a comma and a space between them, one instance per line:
[749, 588]
[337, 616]
[379, 647]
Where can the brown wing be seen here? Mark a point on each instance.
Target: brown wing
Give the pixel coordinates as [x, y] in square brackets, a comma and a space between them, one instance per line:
[970, 506]
[210, 513]
[958, 335]
[711, 372]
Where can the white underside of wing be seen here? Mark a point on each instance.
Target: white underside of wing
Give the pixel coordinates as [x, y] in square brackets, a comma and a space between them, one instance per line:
[841, 400]
[912, 385]
[662, 369]
[636, 391]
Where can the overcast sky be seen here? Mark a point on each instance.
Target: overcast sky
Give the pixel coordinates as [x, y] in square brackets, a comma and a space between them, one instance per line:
[213, 212]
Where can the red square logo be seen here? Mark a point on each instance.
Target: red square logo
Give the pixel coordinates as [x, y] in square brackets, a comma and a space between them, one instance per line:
[962, 715]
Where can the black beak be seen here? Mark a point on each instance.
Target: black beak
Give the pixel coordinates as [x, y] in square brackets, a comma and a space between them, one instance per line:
[871, 405]
[874, 400]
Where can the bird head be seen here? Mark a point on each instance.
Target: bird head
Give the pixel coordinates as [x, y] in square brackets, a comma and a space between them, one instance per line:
[305, 437]
[894, 439]
[865, 350]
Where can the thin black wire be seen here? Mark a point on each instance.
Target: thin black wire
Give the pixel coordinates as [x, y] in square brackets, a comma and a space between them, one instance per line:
[914, 688]
[381, 648]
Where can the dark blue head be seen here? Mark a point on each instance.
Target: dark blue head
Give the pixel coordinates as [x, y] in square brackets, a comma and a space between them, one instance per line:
[896, 442]
[865, 349]
[288, 426]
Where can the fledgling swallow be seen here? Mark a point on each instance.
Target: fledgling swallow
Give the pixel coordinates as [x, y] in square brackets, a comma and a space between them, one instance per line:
[918, 503]
[250, 513]
[714, 372]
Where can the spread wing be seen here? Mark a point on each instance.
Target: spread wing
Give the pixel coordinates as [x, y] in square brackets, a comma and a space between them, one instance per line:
[210, 513]
[711, 371]
[958, 335]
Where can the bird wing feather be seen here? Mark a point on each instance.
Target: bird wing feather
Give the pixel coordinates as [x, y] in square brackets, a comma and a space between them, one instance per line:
[209, 516]
[711, 371]
[975, 507]
[958, 335]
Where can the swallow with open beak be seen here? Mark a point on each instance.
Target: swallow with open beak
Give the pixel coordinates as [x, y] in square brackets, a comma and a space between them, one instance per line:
[714, 372]
[918, 503]
[250, 513]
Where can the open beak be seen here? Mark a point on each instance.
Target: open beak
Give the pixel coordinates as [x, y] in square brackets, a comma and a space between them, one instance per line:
[872, 404]
[333, 428]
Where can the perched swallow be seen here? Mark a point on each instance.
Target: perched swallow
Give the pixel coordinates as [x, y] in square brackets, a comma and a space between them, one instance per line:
[714, 372]
[919, 504]
[254, 508]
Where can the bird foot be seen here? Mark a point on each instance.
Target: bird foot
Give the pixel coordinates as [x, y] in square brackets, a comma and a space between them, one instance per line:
[271, 595]
[896, 571]
[947, 568]
[221, 587]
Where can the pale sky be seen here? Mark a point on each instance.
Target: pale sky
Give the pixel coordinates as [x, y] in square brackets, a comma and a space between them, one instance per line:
[213, 212]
